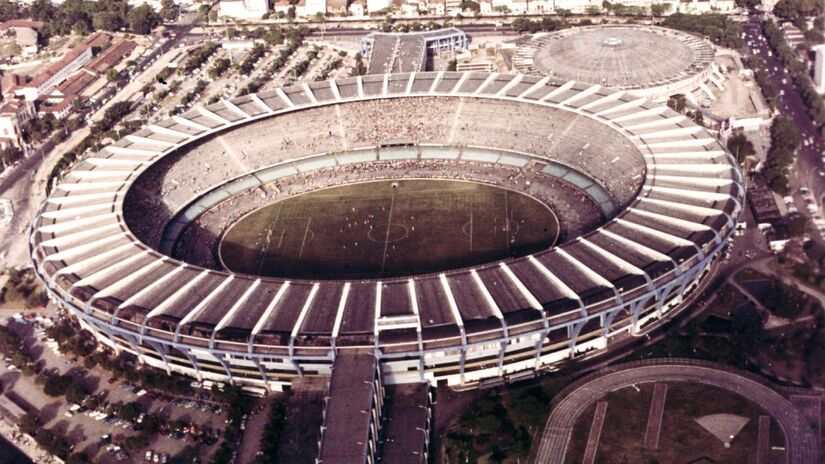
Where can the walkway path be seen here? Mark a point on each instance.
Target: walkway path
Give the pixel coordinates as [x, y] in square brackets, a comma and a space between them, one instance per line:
[800, 439]
[654, 417]
[595, 433]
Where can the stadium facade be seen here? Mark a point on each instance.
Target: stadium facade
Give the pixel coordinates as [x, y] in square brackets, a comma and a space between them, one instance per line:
[669, 196]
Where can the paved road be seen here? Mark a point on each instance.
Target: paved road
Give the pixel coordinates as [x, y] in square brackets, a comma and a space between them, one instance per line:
[808, 159]
[801, 443]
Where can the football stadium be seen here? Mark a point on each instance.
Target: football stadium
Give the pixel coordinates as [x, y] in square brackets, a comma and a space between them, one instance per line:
[450, 228]
[652, 61]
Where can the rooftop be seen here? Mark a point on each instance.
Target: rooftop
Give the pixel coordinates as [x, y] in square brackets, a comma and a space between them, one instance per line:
[348, 411]
[617, 56]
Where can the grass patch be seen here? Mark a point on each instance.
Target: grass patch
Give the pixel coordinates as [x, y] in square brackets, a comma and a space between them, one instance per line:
[387, 228]
[682, 439]
[727, 299]
[748, 274]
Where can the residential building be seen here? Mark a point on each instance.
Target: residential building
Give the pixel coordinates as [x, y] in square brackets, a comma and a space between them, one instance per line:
[48, 79]
[314, 7]
[13, 115]
[356, 8]
[244, 9]
[378, 5]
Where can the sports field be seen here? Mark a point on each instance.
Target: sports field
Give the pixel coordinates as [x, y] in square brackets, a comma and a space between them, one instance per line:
[387, 228]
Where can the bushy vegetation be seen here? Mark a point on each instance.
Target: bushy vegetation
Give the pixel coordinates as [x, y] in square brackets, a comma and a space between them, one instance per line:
[763, 80]
[220, 67]
[23, 287]
[793, 9]
[301, 67]
[248, 64]
[799, 73]
[784, 142]
[294, 41]
[359, 69]
[500, 427]
[82, 16]
[237, 407]
[271, 437]
[198, 57]
[716, 27]
[331, 66]
[741, 147]
[546, 24]
[71, 339]
[783, 301]
[12, 346]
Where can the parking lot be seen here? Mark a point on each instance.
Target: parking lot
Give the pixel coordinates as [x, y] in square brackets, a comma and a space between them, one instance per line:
[99, 432]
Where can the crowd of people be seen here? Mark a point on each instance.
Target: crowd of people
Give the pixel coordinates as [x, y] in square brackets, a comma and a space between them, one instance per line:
[585, 145]
[576, 212]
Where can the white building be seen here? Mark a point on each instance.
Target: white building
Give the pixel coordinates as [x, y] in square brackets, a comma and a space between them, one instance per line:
[14, 114]
[313, 7]
[58, 72]
[819, 68]
[357, 9]
[244, 9]
[378, 5]
[581, 6]
[155, 4]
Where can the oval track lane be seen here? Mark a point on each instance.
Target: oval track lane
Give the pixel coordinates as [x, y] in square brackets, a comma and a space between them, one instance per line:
[800, 439]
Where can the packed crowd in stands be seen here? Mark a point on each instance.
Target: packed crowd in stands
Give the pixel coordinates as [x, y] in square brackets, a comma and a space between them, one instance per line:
[575, 211]
[586, 145]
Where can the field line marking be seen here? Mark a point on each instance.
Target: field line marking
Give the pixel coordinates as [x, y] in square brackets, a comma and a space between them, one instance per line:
[507, 220]
[763, 440]
[304, 241]
[654, 417]
[595, 433]
[472, 202]
[265, 249]
[387, 235]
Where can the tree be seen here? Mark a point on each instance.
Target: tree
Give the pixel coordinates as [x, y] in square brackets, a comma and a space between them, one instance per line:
[78, 458]
[29, 424]
[593, 10]
[470, 5]
[10, 155]
[112, 74]
[80, 27]
[169, 10]
[741, 147]
[526, 409]
[143, 19]
[57, 385]
[135, 442]
[203, 13]
[107, 21]
[130, 411]
[659, 9]
[798, 225]
[76, 393]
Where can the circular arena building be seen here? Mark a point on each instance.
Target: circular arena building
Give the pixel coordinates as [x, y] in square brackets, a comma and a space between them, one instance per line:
[460, 226]
[650, 60]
